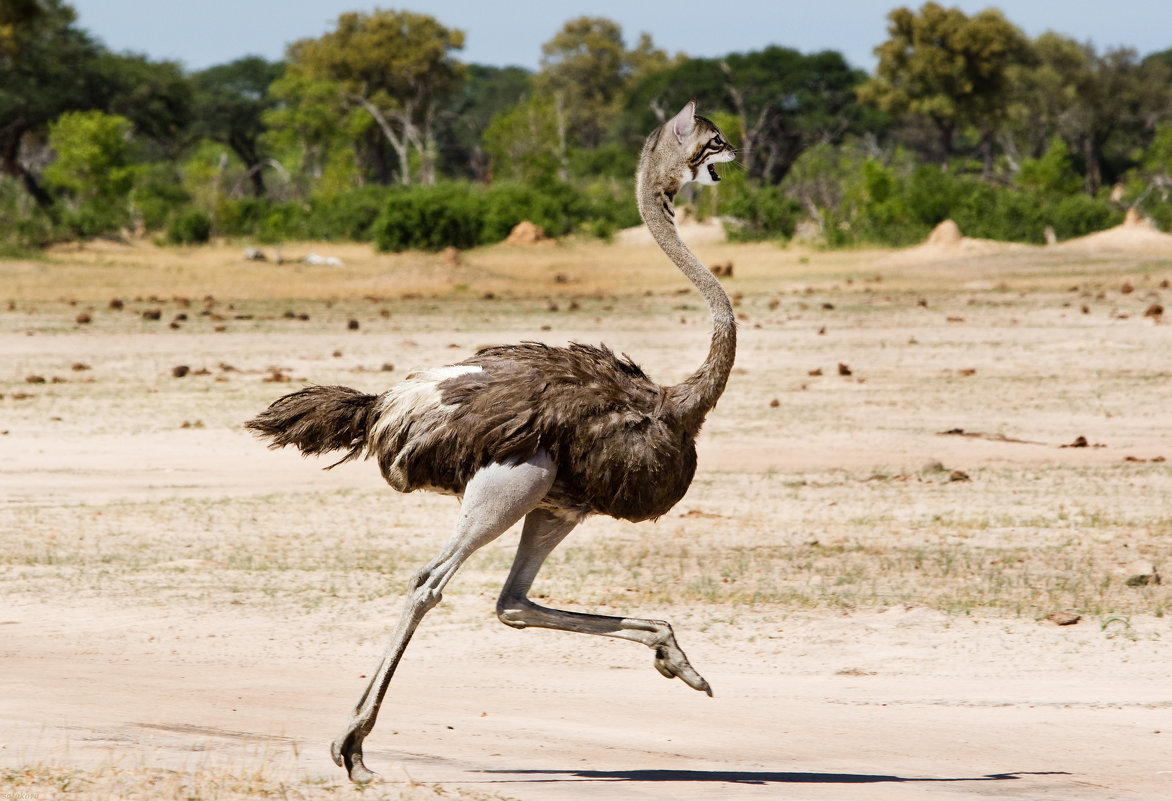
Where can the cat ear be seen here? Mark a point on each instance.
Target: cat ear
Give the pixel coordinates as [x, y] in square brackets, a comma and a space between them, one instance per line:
[685, 121]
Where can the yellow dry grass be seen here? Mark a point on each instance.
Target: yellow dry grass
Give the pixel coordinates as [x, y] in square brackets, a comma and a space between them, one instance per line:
[818, 490]
[96, 271]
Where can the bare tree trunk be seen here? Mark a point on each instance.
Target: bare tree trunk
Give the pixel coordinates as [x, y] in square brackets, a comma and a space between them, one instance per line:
[560, 117]
[745, 154]
[986, 151]
[945, 129]
[1094, 172]
[10, 165]
[399, 142]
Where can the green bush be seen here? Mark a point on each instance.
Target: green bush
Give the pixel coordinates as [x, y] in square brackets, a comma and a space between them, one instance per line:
[557, 208]
[91, 218]
[757, 212]
[1080, 214]
[191, 227]
[283, 221]
[156, 194]
[467, 215]
[240, 217]
[23, 224]
[609, 208]
[430, 218]
[350, 216]
[887, 209]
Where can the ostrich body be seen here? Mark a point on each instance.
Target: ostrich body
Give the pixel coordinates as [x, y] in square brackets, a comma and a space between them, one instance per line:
[548, 434]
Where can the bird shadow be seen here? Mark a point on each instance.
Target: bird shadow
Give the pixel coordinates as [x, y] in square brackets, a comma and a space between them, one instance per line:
[751, 777]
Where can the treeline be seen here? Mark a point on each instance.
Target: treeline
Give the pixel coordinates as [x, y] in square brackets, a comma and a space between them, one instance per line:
[376, 131]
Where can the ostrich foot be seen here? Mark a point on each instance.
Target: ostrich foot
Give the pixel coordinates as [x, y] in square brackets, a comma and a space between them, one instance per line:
[671, 662]
[347, 753]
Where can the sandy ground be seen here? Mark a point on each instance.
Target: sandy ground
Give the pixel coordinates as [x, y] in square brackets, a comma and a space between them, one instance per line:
[180, 608]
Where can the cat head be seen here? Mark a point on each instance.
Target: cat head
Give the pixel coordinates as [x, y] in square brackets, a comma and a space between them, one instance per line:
[700, 144]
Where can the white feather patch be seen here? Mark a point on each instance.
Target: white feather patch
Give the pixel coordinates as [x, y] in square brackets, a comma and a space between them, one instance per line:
[415, 394]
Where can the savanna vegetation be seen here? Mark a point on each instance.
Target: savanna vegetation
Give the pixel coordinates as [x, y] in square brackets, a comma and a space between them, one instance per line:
[377, 131]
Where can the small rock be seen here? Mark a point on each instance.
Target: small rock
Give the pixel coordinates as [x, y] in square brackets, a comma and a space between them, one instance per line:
[843, 369]
[1063, 618]
[180, 370]
[958, 475]
[352, 325]
[328, 261]
[1142, 574]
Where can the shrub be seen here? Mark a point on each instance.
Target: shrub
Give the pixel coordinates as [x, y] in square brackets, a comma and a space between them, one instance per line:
[349, 216]
[156, 194]
[283, 221]
[758, 212]
[889, 210]
[191, 227]
[430, 218]
[556, 207]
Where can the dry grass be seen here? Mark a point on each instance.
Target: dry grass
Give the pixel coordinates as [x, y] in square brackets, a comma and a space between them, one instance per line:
[203, 780]
[817, 490]
[992, 343]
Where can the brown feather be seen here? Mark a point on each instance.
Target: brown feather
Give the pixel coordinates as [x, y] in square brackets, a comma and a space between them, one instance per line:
[318, 420]
[599, 416]
[623, 445]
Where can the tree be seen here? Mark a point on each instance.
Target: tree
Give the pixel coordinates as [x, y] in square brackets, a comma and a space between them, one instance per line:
[16, 17]
[464, 118]
[527, 143]
[48, 68]
[397, 65]
[93, 158]
[784, 101]
[156, 96]
[93, 166]
[942, 65]
[312, 130]
[1118, 112]
[230, 102]
[588, 66]
[1106, 107]
[1045, 90]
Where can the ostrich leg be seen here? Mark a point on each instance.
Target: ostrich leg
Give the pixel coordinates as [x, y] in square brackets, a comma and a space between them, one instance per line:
[496, 497]
[542, 532]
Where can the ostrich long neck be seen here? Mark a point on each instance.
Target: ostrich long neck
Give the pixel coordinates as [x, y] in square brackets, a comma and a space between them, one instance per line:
[691, 400]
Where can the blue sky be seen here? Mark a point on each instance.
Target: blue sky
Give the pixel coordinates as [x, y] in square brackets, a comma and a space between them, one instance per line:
[202, 33]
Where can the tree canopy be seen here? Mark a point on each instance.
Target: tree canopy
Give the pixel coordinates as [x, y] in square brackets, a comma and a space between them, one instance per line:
[947, 67]
[964, 115]
[398, 66]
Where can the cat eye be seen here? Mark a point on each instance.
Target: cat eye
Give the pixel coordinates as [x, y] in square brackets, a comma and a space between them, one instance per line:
[716, 140]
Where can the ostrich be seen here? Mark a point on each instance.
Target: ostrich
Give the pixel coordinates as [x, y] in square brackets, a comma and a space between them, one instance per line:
[548, 434]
